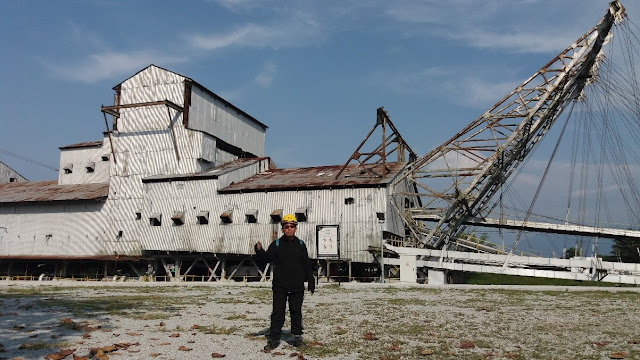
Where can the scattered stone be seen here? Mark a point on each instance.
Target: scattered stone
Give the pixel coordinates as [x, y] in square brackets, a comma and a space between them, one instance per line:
[184, 348]
[427, 352]
[174, 335]
[216, 355]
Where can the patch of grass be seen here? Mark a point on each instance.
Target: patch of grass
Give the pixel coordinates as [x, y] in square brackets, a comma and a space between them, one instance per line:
[502, 279]
[148, 316]
[217, 330]
[39, 345]
[236, 317]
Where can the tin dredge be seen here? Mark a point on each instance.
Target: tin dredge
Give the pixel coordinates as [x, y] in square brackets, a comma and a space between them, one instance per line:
[180, 189]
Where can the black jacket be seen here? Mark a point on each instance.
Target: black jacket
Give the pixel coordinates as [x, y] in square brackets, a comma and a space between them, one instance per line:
[291, 264]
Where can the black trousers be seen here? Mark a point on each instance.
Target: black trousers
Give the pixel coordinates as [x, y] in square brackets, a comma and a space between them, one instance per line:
[295, 311]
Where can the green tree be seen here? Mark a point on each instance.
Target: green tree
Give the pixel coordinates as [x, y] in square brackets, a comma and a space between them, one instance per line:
[626, 250]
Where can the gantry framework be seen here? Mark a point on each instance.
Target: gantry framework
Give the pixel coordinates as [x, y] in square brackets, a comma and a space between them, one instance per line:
[456, 180]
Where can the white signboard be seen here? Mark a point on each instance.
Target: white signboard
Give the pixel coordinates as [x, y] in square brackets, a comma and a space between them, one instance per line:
[328, 241]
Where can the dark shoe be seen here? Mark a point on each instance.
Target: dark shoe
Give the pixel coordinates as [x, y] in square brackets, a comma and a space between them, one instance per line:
[297, 341]
[271, 344]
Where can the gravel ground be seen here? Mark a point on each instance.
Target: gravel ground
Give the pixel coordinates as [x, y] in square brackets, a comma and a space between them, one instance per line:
[108, 320]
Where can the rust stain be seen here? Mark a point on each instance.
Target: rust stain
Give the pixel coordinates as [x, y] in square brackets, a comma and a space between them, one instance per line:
[44, 191]
[313, 178]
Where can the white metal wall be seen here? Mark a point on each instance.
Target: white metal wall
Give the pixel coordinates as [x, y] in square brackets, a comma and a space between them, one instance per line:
[65, 229]
[359, 225]
[212, 116]
[79, 159]
[7, 173]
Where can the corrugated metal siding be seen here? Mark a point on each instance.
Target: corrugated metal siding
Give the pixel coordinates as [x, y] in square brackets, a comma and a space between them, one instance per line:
[359, 224]
[80, 158]
[69, 229]
[216, 118]
[7, 174]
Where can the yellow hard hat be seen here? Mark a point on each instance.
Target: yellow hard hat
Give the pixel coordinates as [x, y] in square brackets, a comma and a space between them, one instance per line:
[289, 219]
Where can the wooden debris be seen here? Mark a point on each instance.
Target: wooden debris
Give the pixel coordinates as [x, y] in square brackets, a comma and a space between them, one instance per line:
[467, 345]
[618, 355]
[60, 354]
[369, 336]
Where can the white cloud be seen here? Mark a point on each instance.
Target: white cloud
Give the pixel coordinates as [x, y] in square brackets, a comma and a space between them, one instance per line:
[301, 31]
[265, 77]
[487, 24]
[110, 64]
[519, 42]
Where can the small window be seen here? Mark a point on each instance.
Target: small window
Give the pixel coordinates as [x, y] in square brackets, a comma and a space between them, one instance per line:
[349, 201]
[13, 179]
[227, 217]
[178, 218]
[91, 167]
[155, 219]
[106, 157]
[68, 169]
[301, 214]
[120, 234]
[276, 216]
[380, 216]
[252, 216]
[203, 217]
[138, 215]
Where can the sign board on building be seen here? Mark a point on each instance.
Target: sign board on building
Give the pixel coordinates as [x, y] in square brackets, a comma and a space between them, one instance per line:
[328, 241]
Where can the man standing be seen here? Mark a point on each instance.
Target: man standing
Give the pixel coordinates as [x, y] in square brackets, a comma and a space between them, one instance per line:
[291, 268]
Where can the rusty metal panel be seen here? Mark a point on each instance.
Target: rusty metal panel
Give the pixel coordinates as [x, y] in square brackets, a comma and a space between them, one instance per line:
[44, 191]
[311, 178]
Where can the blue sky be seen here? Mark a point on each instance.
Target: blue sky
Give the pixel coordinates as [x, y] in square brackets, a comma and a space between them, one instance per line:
[313, 71]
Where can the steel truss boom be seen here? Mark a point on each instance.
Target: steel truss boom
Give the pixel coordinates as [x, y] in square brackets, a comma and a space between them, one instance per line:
[457, 179]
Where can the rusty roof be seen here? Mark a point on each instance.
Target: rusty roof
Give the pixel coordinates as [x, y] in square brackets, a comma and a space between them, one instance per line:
[44, 191]
[321, 177]
[83, 144]
[212, 173]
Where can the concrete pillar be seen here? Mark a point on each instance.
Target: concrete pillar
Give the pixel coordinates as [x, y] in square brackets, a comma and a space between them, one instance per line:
[178, 268]
[223, 274]
[408, 269]
[437, 277]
